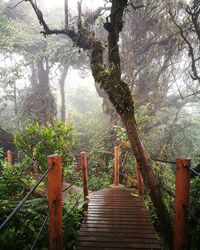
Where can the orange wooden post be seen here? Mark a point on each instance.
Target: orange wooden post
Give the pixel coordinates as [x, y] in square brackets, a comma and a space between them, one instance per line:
[84, 167]
[116, 165]
[55, 203]
[9, 157]
[181, 230]
[139, 178]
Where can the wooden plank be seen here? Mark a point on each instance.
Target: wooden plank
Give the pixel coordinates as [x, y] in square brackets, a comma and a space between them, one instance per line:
[127, 235]
[118, 231]
[117, 239]
[117, 223]
[123, 245]
[114, 216]
[105, 248]
[117, 210]
[117, 226]
[119, 204]
[118, 220]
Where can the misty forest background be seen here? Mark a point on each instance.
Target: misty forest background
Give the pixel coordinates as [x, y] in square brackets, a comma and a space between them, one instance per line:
[49, 103]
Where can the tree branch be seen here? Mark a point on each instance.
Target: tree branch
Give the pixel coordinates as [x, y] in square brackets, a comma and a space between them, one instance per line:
[190, 48]
[137, 7]
[16, 4]
[79, 23]
[66, 10]
[92, 16]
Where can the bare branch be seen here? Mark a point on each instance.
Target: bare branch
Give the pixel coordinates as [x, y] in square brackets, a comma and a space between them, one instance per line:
[47, 30]
[193, 94]
[190, 48]
[66, 8]
[79, 24]
[16, 4]
[137, 7]
[195, 17]
[92, 16]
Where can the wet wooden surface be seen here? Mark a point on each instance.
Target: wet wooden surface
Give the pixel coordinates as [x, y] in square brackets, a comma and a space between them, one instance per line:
[117, 219]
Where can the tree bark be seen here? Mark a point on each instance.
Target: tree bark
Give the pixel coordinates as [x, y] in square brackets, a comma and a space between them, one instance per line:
[40, 105]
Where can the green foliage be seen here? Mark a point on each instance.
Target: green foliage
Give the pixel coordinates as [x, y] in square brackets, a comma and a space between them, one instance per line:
[1, 153]
[72, 216]
[24, 227]
[100, 171]
[121, 134]
[165, 174]
[22, 230]
[38, 141]
[15, 181]
[195, 212]
[143, 118]
[94, 135]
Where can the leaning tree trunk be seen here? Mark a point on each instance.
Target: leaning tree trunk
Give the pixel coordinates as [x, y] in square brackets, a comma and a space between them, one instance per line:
[118, 91]
[120, 96]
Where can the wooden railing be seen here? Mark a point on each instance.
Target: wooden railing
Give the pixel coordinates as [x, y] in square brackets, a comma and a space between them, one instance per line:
[54, 183]
[181, 202]
[181, 208]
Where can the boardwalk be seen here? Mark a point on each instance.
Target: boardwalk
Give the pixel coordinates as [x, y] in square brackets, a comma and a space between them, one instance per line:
[117, 219]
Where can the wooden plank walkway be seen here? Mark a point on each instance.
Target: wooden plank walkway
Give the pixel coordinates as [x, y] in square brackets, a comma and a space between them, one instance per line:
[117, 219]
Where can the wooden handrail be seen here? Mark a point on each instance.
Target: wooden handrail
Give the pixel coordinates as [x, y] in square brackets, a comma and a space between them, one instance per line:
[55, 203]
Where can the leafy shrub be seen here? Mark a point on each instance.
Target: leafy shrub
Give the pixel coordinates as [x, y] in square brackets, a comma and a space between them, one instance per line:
[23, 228]
[15, 181]
[37, 141]
[195, 212]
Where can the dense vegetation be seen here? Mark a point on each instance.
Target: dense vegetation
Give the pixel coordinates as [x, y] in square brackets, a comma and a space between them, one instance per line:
[49, 104]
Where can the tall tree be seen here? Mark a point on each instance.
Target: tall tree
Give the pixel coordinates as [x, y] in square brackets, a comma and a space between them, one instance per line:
[117, 89]
[186, 19]
[39, 56]
[40, 104]
[149, 66]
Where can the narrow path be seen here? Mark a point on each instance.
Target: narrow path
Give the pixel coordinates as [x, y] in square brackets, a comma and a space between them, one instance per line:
[117, 219]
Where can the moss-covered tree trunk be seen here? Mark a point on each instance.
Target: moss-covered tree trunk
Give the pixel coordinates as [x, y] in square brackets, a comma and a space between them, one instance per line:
[118, 92]
[120, 96]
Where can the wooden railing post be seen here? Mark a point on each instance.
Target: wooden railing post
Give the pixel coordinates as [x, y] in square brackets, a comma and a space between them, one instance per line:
[139, 178]
[9, 157]
[84, 167]
[116, 165]
[55, 203]
[181, 230]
